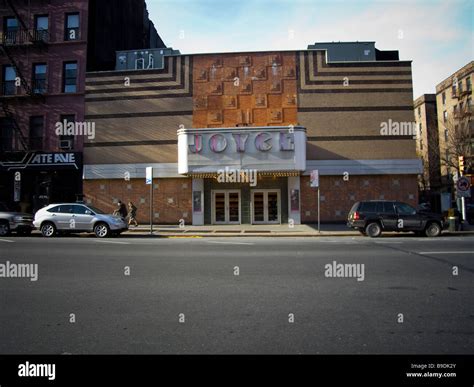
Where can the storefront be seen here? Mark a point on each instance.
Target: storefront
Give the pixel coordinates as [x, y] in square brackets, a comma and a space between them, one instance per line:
[32, 180]
[243, 175]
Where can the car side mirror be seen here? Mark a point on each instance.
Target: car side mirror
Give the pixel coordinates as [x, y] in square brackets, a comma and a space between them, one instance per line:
[89, 213]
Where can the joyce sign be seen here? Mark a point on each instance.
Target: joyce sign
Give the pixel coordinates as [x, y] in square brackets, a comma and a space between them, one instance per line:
[239, 142]
[272, 148]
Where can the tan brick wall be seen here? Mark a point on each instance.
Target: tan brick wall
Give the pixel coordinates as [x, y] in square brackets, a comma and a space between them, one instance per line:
[171, 198]
[336, 194]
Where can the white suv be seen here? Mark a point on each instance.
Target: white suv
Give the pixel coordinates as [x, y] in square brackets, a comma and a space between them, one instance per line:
[77, 217]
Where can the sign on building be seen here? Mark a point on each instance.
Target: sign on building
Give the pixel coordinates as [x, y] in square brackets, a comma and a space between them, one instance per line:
[315, 178]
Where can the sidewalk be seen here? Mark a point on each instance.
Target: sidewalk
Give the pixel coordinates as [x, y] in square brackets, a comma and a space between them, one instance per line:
[268, 230]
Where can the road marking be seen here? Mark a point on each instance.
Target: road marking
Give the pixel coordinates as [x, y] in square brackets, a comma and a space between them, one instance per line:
[183, 237]
[446, 252]
[115, 242]
[389, 242]
[5, 240]
[231, 243]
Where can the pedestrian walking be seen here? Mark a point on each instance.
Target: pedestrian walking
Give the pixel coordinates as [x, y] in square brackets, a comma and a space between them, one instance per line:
[132, 214]
[121, 210]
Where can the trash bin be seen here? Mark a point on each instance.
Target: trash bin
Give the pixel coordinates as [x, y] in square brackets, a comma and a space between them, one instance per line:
[453, 223]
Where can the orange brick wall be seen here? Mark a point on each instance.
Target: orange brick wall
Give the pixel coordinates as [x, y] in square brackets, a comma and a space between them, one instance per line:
[171, 198]
[265, 94]
[339, 195]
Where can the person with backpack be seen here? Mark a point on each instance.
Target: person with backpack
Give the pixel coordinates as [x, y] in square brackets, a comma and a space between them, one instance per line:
[132, 214]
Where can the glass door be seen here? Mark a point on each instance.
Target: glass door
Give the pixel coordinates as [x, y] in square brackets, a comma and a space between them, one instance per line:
[266, 206]
[234, 207]
[226, 207]
[258, 207]
[219, 207]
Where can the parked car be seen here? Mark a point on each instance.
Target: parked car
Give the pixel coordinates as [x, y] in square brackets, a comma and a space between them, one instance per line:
[75, 218]
[18, 222]
[373, 217]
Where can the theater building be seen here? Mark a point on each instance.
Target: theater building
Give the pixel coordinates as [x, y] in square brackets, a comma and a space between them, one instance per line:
[233, 137]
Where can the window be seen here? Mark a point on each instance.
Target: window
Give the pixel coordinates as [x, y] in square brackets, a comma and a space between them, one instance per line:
[6, 134]
[39, 78]
[66, 142]
[419, 111]
[65, 209]
[421, 144]
[445, 116]
[55, 209]
[468, 84]
[36, 132]
[71, 30]
[10, 28]
[388, 208]
[460, 86]
[80, 210]
[41, 27]
[454, 87]
[69, 77]
[368, 207]
[405, 209]
[9, 80]
[443, 98]
[446, 134]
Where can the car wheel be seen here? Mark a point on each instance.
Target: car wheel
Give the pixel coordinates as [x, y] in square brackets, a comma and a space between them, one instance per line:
[373, 230]
[4, 229]
[48, 229]
[433, 230]
[101, 230]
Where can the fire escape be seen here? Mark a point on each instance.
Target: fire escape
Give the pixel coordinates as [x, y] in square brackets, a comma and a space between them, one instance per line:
[14, 45]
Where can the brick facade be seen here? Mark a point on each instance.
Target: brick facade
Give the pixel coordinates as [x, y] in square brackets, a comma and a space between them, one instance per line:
[338, 195]
[171, 198]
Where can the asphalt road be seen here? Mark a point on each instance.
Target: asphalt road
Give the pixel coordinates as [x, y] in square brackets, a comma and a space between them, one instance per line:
[193, 280]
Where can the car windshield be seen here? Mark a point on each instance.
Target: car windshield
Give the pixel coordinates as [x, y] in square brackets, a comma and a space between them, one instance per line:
[96, 210]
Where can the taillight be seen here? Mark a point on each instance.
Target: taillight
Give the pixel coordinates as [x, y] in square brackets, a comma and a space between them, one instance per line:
[356, 216]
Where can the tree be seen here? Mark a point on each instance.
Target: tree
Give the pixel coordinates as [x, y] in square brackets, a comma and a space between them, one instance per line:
[456, 138]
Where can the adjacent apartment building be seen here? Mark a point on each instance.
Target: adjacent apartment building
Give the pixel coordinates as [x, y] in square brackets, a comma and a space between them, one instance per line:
[426, 119]
[43, 60]
[233, 137]
[455, 122]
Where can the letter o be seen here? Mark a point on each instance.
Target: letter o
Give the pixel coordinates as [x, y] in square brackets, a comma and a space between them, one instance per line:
[217, 143]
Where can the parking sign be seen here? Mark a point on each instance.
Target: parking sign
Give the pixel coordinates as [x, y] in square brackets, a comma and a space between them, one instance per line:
[315, 178]
[149, 175]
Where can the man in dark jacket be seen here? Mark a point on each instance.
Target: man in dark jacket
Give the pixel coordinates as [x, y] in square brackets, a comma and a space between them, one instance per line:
[122, 209]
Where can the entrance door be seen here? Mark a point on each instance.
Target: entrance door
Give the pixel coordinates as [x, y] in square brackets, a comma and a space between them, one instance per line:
[226, 207]
[266, 206]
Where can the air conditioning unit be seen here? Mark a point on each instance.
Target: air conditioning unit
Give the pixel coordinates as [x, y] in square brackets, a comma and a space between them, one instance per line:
[65, 144]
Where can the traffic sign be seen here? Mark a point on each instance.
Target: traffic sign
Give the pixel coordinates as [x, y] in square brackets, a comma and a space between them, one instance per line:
[314, 179]
[463, 187]
[149, 175]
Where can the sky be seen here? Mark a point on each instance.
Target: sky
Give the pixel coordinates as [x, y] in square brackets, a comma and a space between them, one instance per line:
[438, 36]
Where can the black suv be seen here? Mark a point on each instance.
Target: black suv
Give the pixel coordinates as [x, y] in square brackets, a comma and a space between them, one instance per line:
[373, 217]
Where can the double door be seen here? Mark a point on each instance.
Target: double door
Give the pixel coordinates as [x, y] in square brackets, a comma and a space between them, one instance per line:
[226, 207]
[266, 207]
